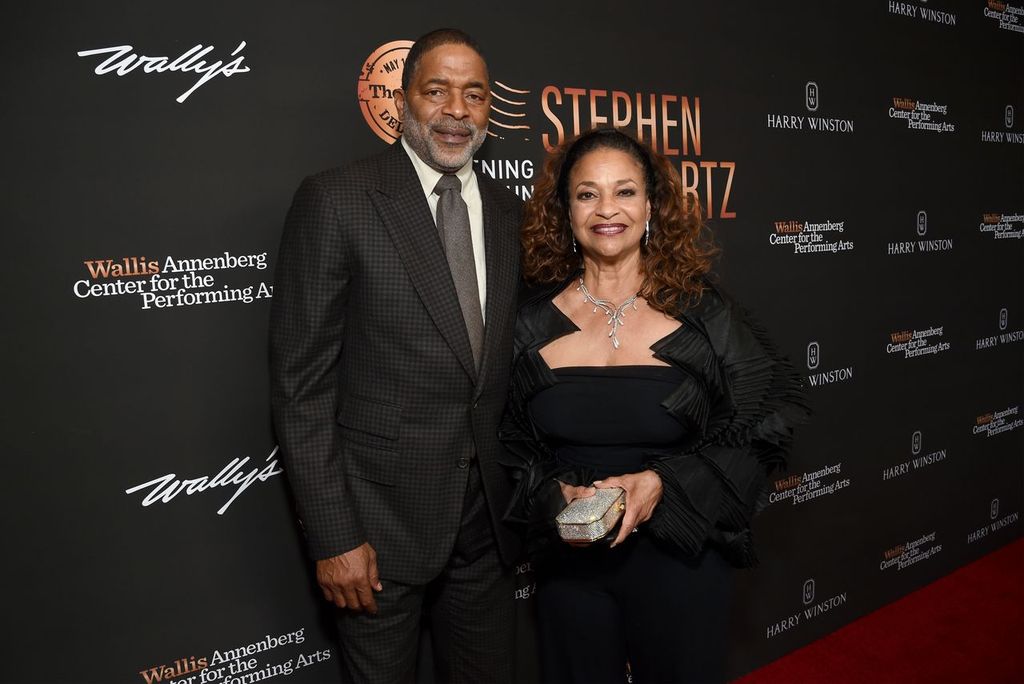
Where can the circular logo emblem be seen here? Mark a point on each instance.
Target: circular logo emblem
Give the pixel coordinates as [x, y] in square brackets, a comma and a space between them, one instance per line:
[380, 76]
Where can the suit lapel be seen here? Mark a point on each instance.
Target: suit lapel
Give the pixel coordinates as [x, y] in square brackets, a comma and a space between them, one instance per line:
[406, 216]
[501, 245]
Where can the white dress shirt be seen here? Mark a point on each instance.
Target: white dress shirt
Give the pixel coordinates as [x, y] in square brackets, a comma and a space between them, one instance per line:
[471, 195]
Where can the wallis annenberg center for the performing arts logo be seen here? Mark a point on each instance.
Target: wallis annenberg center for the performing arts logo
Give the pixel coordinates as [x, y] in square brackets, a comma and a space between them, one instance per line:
[669, 122]
[279, 654]
[1005, 15]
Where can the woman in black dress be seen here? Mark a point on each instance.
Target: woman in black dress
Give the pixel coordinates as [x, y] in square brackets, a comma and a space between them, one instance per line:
[631, 370]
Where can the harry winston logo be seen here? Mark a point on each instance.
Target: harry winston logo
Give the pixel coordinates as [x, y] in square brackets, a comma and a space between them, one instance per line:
[808, 593]
[915, 443]
[993, 509]
[813, 355]
[1008, 116]
[1003, 319]
[811, 96]
[922, 222]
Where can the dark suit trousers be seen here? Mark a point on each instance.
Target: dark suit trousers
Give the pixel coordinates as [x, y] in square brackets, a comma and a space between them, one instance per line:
[469, 607]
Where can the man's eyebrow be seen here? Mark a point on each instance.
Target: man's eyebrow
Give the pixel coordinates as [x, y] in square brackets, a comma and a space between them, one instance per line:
[440, 80]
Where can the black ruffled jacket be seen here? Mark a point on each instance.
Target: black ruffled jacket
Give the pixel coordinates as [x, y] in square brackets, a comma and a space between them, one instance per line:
[741, 401]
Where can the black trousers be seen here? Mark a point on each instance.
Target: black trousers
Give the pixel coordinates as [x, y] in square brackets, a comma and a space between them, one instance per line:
[469, 608]
[639, 603]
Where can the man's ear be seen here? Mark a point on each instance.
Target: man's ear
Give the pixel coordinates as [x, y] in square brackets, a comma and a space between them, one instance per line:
[399, 96]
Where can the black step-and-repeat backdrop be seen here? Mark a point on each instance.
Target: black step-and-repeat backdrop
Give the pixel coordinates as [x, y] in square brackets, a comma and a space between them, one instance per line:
[863, 168]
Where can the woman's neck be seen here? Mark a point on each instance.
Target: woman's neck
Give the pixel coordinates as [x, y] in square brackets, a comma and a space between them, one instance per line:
[614, 281]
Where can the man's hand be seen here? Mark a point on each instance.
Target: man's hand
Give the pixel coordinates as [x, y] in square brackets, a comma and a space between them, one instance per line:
[349, 580]
[643, 492]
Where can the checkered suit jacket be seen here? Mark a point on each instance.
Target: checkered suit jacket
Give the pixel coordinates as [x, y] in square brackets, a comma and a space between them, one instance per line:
[377, 405]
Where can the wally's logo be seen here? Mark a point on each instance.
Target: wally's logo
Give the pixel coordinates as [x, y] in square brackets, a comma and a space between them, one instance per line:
[166, 487]
[813, 355]
[915, 443]
[922, 222]
[811, 96]
[123, 60]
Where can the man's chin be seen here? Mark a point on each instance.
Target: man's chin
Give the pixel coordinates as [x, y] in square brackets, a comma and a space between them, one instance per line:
[451, 160]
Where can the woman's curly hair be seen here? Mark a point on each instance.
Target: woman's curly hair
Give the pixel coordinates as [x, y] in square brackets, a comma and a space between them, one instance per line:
[674, 260]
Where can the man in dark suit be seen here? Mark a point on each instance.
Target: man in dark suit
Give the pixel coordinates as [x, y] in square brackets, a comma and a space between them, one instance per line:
[390, 339]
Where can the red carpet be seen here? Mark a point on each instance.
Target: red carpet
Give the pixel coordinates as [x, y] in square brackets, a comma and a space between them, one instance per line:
[965, 627]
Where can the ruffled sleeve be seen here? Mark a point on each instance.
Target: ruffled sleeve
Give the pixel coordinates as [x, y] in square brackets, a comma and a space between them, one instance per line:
[744, 401]
[537, 497]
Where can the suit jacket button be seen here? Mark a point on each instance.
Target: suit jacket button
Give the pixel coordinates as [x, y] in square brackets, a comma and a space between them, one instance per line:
[463, 462]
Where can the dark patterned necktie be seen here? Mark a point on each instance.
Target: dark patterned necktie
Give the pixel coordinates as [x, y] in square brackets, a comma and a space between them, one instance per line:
[453, 225]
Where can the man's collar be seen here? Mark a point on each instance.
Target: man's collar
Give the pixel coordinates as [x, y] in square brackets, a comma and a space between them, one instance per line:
[428, 176]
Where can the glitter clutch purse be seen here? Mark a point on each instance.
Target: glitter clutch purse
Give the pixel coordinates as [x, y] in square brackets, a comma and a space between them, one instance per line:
[591, 518]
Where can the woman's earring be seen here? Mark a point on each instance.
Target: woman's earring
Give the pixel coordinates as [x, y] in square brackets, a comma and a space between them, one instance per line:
[574, 244]
[647, 232]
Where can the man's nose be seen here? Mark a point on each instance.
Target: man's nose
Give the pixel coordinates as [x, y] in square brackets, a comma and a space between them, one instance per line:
[455, 105]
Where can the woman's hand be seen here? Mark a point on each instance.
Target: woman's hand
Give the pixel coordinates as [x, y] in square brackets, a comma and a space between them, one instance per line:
[643, 492]
[571, 493]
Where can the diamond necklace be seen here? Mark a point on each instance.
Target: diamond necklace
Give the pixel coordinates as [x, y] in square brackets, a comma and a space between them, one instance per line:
[614, 314]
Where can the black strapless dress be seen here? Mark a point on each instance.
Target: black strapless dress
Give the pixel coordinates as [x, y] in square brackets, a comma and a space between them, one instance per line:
[609, 418]
[640, 603]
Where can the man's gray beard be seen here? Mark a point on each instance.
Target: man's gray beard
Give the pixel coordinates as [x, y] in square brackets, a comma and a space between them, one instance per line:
[436, 156]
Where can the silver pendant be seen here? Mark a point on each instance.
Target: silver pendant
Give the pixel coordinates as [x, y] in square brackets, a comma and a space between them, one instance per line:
[615, 314]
